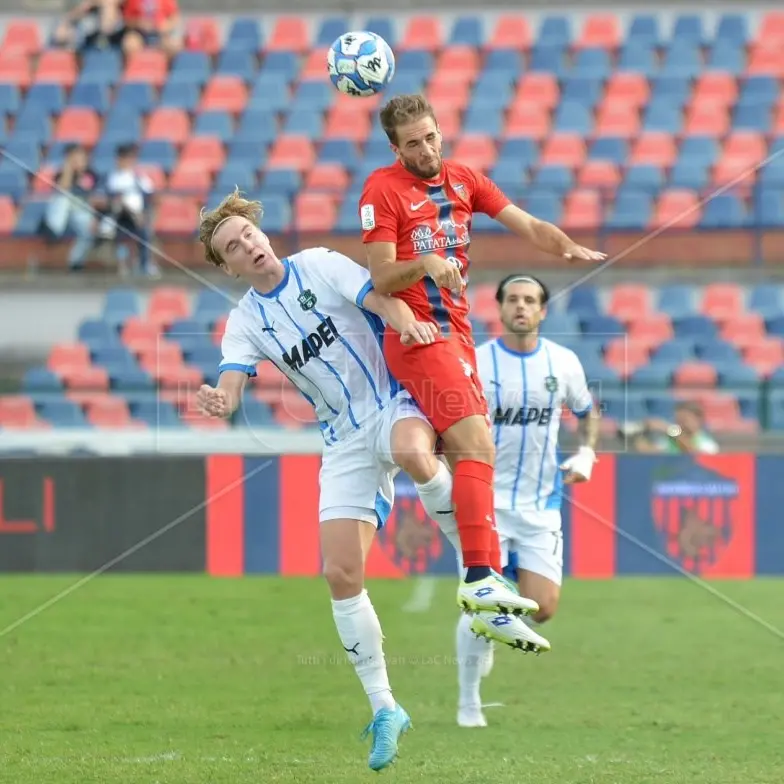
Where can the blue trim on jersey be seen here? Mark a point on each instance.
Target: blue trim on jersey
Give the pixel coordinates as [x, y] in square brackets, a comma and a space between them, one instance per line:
[326, 364]
[437, 194]
[440, 312]
[584, 412]
[363, 292]
[282, 285]
[383, 510]
[522, 440]
[497, 383]
[346, 345]
[322, 425]
[547, 434]
[377, 325]
[250, 370]
[514, 353]
[556, 496]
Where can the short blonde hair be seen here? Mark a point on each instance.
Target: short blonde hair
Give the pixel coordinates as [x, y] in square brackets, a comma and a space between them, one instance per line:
[404, 109]
[234, 205]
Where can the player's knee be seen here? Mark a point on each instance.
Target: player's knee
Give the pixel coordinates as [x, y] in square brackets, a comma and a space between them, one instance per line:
[344, 578]
[472, 441]
[420, 466]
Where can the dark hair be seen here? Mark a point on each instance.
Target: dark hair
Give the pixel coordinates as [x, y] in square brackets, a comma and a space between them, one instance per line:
[517, 277]
[401, 110]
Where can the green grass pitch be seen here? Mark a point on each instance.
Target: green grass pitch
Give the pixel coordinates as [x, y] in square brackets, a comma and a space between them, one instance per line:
[187, 679]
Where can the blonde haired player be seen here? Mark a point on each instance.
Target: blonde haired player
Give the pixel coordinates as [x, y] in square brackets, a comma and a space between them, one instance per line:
[527, 380]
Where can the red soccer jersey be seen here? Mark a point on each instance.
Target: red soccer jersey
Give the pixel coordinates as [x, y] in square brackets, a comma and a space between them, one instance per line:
[429, 216]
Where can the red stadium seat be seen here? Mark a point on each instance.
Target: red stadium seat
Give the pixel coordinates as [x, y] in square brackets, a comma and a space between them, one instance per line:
[182, 378]
[21, 36]
[707, 121]
[156, 175]
[582, 210]
[600, 31]
[540, 89]
[206, 151]
[719, 86]
[766, 60]
[109, 412]
[564, 149]
[475, 150]
[602, 175]
[218, 329]
[92, 378]
[735, 172]
[749, 146]
[170, 300]
[629, 302]
[146, 65]
[160, 356]
[78, 124]
[57, 67]
[313, 70]
[176, 215]
[68, 355]
[458, 63]
[527, 120]
[651, 329]
[625, 356]
[449, 123]
[345, 123]
[17, 412]
[292, 152]
[705, 102]
[678, 209]
[483, 302]
[7, 216]
[314, 212]
[622, 122]
[423, 32]
[695, 374]
[744, 329]
[290, 34]
[449, 95]
[139, 335]
[202, 34]
[15, 69]
[511, 31]
[168, 124]
[190, 177]
[721, 301]
[771, 29]
[654, 149]
[766, 356]
[628, 89]
[328, 178]
[224, 94]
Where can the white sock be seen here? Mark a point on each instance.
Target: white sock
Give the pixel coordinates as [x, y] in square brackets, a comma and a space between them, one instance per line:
[360, 633]
[436, 497]
[470, 656]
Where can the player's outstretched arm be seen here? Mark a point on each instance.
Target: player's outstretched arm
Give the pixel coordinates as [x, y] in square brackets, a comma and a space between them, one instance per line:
[222, 401]
[401, 318]
[544, 235]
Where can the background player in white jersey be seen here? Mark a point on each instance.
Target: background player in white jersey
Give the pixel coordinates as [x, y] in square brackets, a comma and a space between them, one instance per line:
[527, 380]
[315, 316]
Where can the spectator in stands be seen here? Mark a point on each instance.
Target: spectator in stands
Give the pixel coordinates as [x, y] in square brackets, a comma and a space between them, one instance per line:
[686, 435]
[130, 196]
[151, 23]
[90, 24]
[73, 205]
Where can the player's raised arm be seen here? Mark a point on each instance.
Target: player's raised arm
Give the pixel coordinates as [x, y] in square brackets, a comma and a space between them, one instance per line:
[390, 276]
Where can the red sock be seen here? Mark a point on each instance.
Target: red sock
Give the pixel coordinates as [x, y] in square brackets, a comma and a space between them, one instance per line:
[472, 501]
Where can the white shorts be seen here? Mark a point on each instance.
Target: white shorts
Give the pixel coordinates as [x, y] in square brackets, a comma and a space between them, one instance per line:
[357, 475]
[536, 540]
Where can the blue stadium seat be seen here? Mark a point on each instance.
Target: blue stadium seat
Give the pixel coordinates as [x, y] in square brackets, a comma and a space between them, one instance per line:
[114, 356]
[510, 176]
[282, 64]
[545, 205]
[139, 95]
[503, 62]
[90, 95]
[491, 93]
[623, 406]
[180, 96]
[638, 59]
[609, 149]
[718, 351]
[282, 181]
[190, 68]
[673, 352]
[733, 28]
[550, 59]
[211, 305]
[663, 117]
[727, 56]
[644, 31]
[676, 300]
[189, 333]
[236, 174]
[13, 181]
[101, 66]
[660, 407]
[555, 31]
[602, 327]
[561, 326]
[525, 150]
[559, 179]
[592, 63]
[97, 332]
[415, 61]
[156, 413]
[244, 35]
[330, 30]
[573, 118]
[127, 379]
[467, 31]
[62, 413]
[277, 213]
[256, 126]
[40, 380]
[122, 127]
[217, 124]
[689, 175]
[158, 152]
[204, 354]
[383, 26]
[304, 122]
[481, 223]
[763, 89]
[698, 327]
[751, 118]
[771, 176]
[583, 301]
[644, 178]
[653, 375]
[748, 402]
[775, 325]
[699, 148]
[724, 211]
[632, 210]
[313, 95]
[736, 374]
[344, 152]
[252, 413]
[484, 120]
[120, 304]
[237, 63]
[688, 28]
[582, 88]
[674, 88]
[269, 93]
[767, 300]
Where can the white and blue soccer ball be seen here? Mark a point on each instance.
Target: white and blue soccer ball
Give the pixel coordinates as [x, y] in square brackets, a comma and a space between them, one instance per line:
[360, 64]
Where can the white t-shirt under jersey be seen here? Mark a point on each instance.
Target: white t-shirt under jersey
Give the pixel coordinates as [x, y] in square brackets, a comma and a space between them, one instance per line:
[526, 394]
[313, 328]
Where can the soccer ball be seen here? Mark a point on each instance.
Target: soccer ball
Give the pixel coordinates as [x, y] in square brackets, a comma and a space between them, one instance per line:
[360, 64]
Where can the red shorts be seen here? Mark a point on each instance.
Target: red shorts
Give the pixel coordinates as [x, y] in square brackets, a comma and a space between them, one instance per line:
[441, 377]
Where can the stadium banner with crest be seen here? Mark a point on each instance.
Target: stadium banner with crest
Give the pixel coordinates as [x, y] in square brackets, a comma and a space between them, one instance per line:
[713, 516]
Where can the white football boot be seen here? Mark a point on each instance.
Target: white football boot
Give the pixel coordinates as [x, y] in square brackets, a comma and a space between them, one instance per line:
[509, 630]
[494, 594]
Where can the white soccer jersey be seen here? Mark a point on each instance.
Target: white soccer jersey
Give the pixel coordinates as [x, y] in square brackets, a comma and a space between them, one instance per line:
[313, 328]
[525, 395]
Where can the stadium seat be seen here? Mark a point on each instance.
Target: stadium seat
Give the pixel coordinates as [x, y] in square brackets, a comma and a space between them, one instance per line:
[722, 300]
[18, 412]
[224, 93]
[422, 32]
[695, 374]
[168, 124]
[765, 356]
[203, 35]
[678, 209]
[292, 152]
[147, 65]
[109, 412]
[582, 210]
[56, 67]
[510, 32]
[314, 212]
[652, 329]
[743, 329]
[78, 125]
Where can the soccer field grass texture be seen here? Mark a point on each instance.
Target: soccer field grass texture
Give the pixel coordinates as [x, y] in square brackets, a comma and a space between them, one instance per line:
[189, 679]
